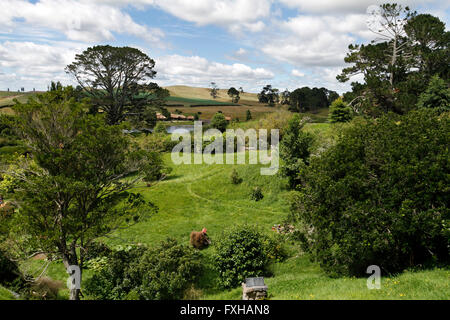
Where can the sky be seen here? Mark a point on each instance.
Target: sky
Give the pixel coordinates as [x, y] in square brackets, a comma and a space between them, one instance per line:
[241, 43]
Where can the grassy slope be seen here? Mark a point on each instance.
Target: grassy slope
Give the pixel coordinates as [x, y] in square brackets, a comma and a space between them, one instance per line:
[197, 196]
[5, 294]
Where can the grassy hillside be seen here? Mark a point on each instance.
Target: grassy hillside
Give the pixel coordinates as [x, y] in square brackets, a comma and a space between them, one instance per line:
[197, 196]
[6, 98]
[204, 93]
[6, 294]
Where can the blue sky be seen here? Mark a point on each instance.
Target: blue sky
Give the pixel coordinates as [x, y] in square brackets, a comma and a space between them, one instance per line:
[248, 43]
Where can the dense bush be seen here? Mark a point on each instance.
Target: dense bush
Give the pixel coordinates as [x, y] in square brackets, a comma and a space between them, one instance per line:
[160, 128]
[340, 111]
[163, 272]
[9, 270]
[295, 149]
[235, 179]
[241, 252]
[256, 194]
[380, 195]
[437, 95]
[167, 271]
[219, 122]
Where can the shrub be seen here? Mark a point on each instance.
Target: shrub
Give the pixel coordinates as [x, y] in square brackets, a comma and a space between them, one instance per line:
[437, 95]
[380, 195]
[274, 248]
[160, 128]
[240, 253]
[9, 270]
[295, 150]
[219, 122]
[256, 194]
[167, 271]
[339, 111]
[235, 179]
[163, 272]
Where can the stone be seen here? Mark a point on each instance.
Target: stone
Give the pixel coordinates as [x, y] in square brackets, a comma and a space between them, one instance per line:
[254, 289]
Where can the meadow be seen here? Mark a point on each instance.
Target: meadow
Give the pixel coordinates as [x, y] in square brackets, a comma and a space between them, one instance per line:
[195, 196]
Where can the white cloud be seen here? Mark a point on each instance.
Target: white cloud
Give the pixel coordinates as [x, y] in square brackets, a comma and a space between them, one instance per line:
[78, 20]
[330, 7]
[235, 15]
[27, 64]
[297, 73]
[195, 70]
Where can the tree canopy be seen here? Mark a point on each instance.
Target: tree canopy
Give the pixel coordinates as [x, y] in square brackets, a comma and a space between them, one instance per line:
[411, 48]
[79, 170]
[117, 79]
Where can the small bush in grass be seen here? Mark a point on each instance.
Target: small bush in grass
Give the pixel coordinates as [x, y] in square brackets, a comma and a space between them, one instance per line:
[159, 273]
[241, 252]
[256, 194]
[235, 179]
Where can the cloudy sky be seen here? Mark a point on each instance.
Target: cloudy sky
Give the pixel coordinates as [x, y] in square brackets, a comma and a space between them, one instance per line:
[248, 43]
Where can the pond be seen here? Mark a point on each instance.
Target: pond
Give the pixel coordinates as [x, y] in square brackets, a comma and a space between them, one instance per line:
[180, 128]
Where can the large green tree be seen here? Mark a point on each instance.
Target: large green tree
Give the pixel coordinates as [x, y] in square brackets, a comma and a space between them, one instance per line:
[70, 189]
[234, 94]
[397, 66]
[269, 95]
[117, 79]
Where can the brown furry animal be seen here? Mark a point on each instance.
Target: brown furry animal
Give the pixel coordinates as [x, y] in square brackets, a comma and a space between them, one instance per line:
[199, 239]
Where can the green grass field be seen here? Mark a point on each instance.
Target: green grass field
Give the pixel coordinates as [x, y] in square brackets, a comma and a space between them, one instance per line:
[200, 195]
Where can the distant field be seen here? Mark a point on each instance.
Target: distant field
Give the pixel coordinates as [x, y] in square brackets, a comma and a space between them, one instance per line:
[207, 112]
[191, 102]
[6, 98]
[204, 93]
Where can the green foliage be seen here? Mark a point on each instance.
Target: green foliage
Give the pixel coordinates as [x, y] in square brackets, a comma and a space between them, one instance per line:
[9, 270]
[160, 273]
[397, 69]
[235, 179]
[234, 94]
[380, 195]
[340, 111]
[269, 95]
[154, 168]
[104, 71]
[295, 150]
[307, 99]
[256, 194]
[248, 115]
[437, 95]
[240, 253]
[160, 128]
[218, 122]
[70, 192]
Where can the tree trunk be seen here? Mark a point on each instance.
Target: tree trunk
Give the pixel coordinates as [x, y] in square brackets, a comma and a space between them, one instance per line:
[393, 62]
[75, 289]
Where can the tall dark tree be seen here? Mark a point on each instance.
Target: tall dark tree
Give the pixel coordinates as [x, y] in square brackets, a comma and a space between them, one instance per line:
[234, 94]
[269, 95]
[117, 79]
[285, 97]
[398, 66]
[307, 99]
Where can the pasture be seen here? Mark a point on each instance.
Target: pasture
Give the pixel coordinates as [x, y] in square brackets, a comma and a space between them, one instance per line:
[194, 196]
